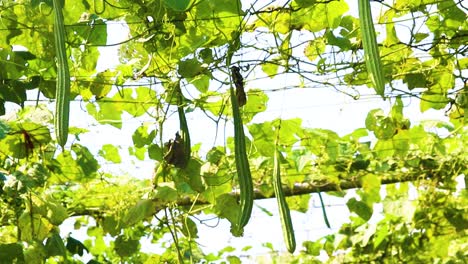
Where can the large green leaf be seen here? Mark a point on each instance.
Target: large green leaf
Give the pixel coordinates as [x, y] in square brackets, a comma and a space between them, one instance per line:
[313, 17]
[126, 247]
[140, 211]
[227, 207]
[55, 246]
[11, 253]
[141, 137]
[383, 126]
[360, 208]
[89, 32]
[110, 153]
[190, 68]
[177, 5]
[78, 164]
[75, 246]
[33, 227]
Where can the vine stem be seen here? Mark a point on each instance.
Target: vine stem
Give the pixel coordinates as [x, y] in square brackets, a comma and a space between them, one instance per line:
[173, 232]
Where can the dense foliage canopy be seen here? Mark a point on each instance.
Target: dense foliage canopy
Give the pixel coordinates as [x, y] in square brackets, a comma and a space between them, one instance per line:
[177, 68]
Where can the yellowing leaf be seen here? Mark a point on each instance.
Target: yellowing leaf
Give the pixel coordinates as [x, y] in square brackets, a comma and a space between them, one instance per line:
[271, 69]
[315, 48]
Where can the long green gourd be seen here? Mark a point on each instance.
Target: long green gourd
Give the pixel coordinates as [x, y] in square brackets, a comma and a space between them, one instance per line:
[62, 95]
[183, 127]
[285, 215]
[371, 50]
[242, 166]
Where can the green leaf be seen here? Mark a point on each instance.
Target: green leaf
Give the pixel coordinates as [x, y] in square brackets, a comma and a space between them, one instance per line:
[94, 32]
[139, 212]
[360, 208]
[126, 247]
[78, 164]
[391, 35]
[382, 126]
[312, 248]
[93, 262]
[177, 5]
[210, 33]
[384, 149]
[433, 99]
[70, 168]
[341, 42]
[56, 212]
[11, 253]
[320, 16]
[141, 137]
[13, 91]
[246, 248]
[110, 153]
[370, 189]
[102, 84]
[227, 207]
[357, 134]
[190, 68]
[298, 203]
[418, 37]
[215, 155]
[315, 139]
[256, 103]
[155, 152]
[201, 82]
[289, 130]
[24, 138]
[189, 228]
[107, 113]
[3, 130]
[33, 227]
[263, 137]
[109, 110]
[227, 249]
[139, 153]
[206, 55]
[415, 80]
[137, 106]
[285, 48]
[269, 68]
[233, 260]
[110, 225]
[166, 193]
[88, 60]
[55, 246]
[441, 246]
[269, 245]
[75, 246]
[302, 3]
[192, 172]
[212, 102]
[402, 142]
[35, 253]
[85, 159]
[397, 109]
[381, 234]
